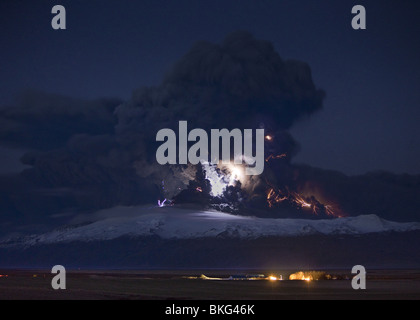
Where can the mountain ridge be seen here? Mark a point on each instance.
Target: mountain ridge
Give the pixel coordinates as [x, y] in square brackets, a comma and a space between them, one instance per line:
[181, 223]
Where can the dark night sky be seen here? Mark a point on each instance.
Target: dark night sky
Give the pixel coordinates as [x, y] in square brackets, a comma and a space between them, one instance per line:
[371, 77]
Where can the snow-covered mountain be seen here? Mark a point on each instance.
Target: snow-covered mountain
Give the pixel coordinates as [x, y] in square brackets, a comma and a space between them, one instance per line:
[181, 223]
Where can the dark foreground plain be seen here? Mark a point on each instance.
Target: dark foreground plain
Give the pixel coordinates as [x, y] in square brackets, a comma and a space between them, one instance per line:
[164, 285]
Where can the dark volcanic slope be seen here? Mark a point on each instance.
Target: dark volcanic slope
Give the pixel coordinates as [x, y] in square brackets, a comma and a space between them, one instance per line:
[384, 250]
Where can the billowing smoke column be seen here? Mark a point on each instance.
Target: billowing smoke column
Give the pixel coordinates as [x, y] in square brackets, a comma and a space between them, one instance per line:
[240, 83]
[104, 152]
[90, 155]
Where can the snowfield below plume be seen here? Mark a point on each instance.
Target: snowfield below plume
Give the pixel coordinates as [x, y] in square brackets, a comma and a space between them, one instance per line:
[179, 223]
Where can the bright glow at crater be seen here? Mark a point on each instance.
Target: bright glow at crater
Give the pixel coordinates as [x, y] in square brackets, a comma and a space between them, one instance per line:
[221, 176]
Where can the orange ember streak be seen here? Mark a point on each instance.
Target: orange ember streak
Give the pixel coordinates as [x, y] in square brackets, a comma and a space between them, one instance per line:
[272, 156]
[274, 197]
[330, 211]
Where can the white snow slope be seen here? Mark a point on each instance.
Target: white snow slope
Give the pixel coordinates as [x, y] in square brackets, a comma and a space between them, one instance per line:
[179, 223]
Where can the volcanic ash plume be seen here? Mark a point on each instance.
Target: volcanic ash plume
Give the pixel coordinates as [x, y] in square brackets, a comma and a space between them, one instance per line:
[240, 83]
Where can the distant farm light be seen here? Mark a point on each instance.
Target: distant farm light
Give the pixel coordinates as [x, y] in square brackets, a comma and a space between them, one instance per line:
[307, 276]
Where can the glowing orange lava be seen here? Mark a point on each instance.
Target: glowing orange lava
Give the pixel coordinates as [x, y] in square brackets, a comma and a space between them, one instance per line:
[309, 203]
[272, 156]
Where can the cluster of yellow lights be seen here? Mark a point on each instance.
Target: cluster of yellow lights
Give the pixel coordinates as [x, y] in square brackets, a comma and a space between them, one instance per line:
[295, 276]
[300, 276]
